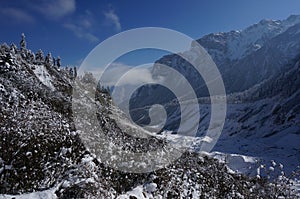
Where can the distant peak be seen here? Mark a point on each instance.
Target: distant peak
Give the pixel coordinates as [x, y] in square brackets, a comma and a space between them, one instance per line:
[265, 21]
[269, 22]
[293, 18]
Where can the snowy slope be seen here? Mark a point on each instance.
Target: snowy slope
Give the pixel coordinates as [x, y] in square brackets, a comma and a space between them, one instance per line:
[47, 194]
[262, 122]
[43, 75]
[260, 69]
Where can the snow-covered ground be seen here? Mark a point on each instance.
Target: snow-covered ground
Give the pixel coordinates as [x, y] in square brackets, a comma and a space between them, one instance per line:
[236, 162]
[47, 194]
[41, 72]
[140, 192]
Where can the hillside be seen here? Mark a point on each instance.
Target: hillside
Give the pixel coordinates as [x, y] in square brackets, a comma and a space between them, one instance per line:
[42, 151]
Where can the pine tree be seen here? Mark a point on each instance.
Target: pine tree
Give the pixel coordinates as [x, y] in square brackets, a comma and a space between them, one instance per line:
[48, 59]
[75, 72]
[31, 57]
[5, 55]
[13, 48]
[4, 48]
[71, 73]
[54, 62]
[108, 89]
[23, 43]
[58, 62]
[39, 57]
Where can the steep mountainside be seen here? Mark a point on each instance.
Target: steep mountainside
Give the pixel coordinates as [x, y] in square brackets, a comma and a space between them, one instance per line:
[260, 69]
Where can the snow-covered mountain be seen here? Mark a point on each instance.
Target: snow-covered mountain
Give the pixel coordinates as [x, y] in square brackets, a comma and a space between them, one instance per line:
[236, 45]
[260, 69]
[41, 151]
[245, 57]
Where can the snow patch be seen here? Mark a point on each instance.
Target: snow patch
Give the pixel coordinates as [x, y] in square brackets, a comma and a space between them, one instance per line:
[138, 192]
[42, 74]
[47, 194]
[236, 162]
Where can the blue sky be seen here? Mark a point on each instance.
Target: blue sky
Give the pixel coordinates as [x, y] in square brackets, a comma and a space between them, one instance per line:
[71, 28]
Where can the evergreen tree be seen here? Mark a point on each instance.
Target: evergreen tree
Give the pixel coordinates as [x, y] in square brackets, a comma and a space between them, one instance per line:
[48, 60]
[108, 89]
[4, 48]
[54, 62]
[75, 72]
[5, 54]
[31, 57]
[23, 43]
[71, 73]
[103, 89]
[58, 62]
[39, 57]
[13, 48]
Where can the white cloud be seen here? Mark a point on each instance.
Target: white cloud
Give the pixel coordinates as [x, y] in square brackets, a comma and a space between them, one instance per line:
[83, 26]
[113, 18]
[85, 23]
[117, 69]
[55, 9]
[81, 32]
[123, 78]
[16, 15]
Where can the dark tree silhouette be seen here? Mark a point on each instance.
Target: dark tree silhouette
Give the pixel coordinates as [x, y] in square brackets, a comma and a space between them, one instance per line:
[39, 57]
[23, 43]
[75, 72]
[58, 62]
[49, 59]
